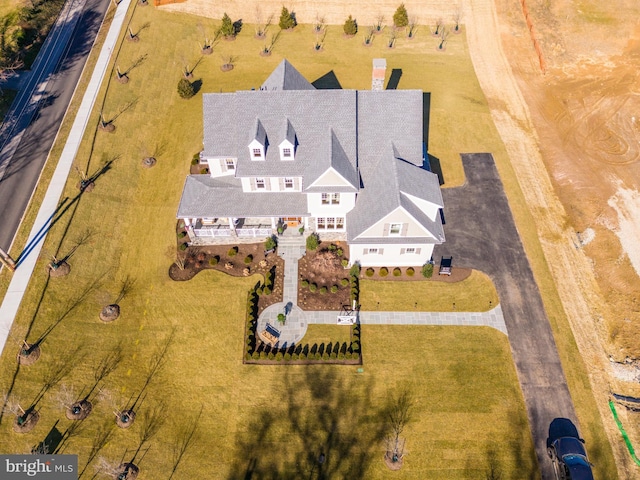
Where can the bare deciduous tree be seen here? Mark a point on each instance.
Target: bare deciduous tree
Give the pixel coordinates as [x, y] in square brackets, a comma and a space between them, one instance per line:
[439, 26]
[398, 415]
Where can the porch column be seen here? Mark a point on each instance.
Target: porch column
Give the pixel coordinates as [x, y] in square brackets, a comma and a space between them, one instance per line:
[273, 223]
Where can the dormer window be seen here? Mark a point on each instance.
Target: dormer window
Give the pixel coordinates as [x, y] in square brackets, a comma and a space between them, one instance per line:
[288, 144]
[231, 164]
[288, 183]
[258, 146]
[260, 183]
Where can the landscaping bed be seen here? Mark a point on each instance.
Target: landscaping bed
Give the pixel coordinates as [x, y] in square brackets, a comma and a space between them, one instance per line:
[404, 274]
[236, 260]
[323, 280]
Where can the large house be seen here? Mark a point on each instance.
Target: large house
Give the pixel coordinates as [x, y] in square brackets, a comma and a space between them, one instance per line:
[345, 164]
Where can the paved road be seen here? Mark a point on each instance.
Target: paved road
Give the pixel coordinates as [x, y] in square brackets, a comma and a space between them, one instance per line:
[28, 136]
[481, 234]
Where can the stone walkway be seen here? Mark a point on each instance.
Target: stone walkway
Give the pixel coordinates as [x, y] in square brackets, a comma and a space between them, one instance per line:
[292, 248]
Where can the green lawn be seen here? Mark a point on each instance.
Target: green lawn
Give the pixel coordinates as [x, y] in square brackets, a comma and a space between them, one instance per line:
[473, 294]
[468, 408]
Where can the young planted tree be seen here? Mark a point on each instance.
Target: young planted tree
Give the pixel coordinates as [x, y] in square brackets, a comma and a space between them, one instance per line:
[350, 26]
[318, 24]
[25, 420]
[391, 41]
[413, 25]
[398, 414]
[317, 46]
[75, 409]
[457, 18]
[267, 49]
[228, 62]
[443, 38]
[439, 27]
[287, 19]
[401, 17]
[116, 470]
[123, 76]
[379, 25]
[262, 26]
[368, 38]
[112, 311]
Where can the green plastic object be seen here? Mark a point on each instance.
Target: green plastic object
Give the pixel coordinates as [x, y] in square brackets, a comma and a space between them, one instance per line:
[624, 434]
[360, 370]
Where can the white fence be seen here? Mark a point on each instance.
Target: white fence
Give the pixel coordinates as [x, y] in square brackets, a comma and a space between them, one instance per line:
[254, 232]
[212, 232]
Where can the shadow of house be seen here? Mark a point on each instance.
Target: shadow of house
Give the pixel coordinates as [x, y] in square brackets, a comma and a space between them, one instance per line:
[394, 79]
[328, 81]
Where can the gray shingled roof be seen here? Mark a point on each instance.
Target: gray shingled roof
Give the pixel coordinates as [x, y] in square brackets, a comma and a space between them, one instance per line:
[204, 196]
[368, 137]
[312, 114]
[286, 77]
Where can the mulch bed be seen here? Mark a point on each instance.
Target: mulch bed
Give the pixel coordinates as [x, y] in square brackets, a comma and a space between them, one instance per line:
[126, 418]
[31, 357]
[199, 258]
[110, 313]
[323, 268]
[457, 275]
[79, 410]
[30, 421]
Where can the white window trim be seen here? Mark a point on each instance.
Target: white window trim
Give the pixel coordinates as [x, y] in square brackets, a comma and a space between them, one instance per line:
[335, 199]
[412, 252]
[395, 234]
[230, 163]
[289, 180]
[261, 184]
[372, 251]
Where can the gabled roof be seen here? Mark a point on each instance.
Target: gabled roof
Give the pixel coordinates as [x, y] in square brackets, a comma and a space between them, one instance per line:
[286, 77]
[387, 191]
[259, 133]
[289, 133]
[339, 162]
[323, 124]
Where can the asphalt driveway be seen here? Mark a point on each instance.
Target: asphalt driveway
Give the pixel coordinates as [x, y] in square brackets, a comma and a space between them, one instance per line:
[481, 233]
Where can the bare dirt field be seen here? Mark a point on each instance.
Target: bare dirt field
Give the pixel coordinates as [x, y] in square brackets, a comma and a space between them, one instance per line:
[573, 139]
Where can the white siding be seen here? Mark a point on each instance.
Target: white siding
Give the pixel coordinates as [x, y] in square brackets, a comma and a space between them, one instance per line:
[330, 178]
[411, 228]
[392, 255]
[246, 184]
[431, 209]
[218, 166]
[317, 209]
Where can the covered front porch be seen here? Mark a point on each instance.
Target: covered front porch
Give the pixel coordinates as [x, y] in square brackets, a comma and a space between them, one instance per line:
[208, 230]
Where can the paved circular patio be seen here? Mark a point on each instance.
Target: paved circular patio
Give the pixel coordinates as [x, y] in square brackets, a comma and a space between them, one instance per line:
[293, 329]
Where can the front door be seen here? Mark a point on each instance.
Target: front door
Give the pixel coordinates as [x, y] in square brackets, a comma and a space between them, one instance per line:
[292, 222]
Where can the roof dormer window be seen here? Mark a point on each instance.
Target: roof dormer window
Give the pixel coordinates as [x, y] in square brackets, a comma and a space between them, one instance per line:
[288, 144]
[258, 146]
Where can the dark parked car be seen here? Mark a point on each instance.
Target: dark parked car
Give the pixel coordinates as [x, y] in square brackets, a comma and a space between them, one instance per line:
[567, 452]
